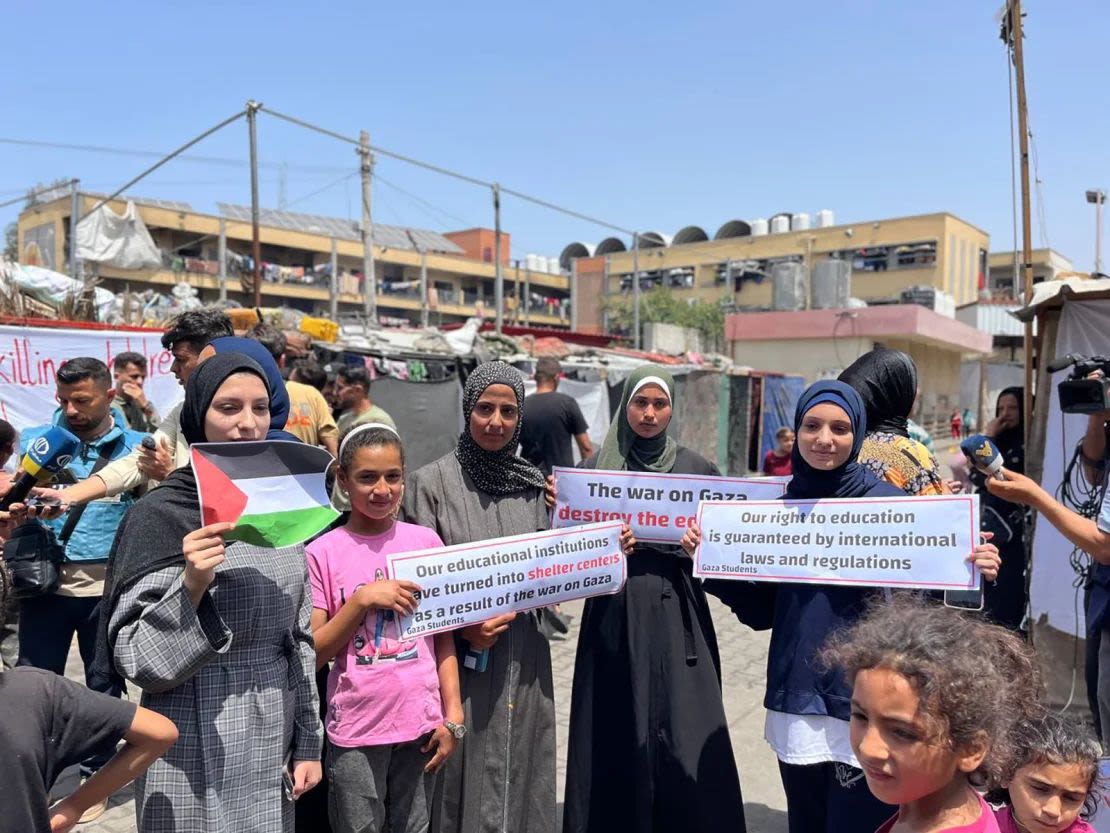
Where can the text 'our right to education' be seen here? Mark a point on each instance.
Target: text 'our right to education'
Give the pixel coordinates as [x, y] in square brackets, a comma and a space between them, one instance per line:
[921, 542]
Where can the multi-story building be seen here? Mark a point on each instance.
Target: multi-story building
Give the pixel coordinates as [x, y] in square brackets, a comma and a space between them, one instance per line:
[939, 250]
[300, 252]
[1048, 265]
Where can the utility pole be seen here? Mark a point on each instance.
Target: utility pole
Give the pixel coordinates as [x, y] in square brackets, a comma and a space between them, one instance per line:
[423, 286]
[574, 295]
[222, 256]
[1026, 223]
[498, 276]
[370, 284]
[1098, 197]
[527, 293]
[516, 288]
[74, 214]
[256, 243]
[333, 284]
[636, 289]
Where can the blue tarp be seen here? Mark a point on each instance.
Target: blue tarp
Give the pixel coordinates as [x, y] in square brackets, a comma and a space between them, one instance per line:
[780, 396]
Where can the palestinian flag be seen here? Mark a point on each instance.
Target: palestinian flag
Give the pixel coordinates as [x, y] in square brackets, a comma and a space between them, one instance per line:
[273, 491]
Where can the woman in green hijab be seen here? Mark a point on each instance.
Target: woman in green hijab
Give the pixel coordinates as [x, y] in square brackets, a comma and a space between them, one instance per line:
[648, 743]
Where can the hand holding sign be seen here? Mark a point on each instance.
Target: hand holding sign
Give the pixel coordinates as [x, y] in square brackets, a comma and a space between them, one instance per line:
[484, 635]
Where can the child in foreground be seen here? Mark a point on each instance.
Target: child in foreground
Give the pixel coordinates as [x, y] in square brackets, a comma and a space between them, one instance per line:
[48, 723]
[1053, 782]
[935, 698]
[394, 708]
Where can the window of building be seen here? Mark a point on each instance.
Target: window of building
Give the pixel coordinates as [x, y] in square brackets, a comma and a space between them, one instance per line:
[914, 255]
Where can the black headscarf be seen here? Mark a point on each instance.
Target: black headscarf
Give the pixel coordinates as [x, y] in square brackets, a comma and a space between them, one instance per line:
[1011, 441]
[886, 380]
[851, 479]
[149, 539]
[495, 472]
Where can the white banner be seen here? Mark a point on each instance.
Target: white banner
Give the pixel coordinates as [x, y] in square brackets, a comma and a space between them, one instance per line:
[920, 542]
[658, 507]
[470, 583]
[30, 356]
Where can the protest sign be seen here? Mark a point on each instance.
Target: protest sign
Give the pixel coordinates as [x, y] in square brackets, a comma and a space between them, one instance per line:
[470, 583]
[658, 507]
[30, 356]
[921, 542]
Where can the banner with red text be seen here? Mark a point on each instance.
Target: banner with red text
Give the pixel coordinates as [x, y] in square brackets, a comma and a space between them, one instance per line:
[30, 356]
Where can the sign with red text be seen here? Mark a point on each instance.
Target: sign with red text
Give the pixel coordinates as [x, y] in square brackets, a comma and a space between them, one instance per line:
[658, 507]
[31, 356]
[913, 542]
[470, 583]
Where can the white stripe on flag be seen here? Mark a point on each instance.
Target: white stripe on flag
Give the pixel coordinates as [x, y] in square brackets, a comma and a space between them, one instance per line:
[283, 493]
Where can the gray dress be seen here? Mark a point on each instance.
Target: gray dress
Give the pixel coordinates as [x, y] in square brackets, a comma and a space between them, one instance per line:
[237, 676]
[502, 778]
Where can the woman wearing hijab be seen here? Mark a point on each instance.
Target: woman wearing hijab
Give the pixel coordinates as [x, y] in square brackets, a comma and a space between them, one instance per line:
[886, 380]
[217, 635]
[502, 778]
[808, 708]
[649, 744]
[1004, 600]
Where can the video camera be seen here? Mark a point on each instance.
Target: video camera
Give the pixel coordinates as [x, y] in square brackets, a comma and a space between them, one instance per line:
[1078, 394]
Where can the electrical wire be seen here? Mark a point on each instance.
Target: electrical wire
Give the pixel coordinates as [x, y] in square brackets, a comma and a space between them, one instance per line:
[421, 201]
[347, 176]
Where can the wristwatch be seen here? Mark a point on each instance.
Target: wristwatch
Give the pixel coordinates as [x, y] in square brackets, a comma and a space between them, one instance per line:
[456, 729]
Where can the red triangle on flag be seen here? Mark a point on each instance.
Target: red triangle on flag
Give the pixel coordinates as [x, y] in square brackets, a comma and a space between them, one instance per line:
[220, 498]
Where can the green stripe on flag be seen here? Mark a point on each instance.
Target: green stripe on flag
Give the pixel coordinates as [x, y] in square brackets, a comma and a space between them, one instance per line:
[283, 528]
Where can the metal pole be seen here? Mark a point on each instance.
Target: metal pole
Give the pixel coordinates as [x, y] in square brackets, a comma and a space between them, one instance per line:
[498, 276]
[605, 298]
[527, 293]
[222, 255]
[423, 286]
[516, 289]
[1026, 223]
[1100, 198]
[574, 295]
[636, 290]
[74, 213]
[256, 243]
[333, 285]
[370, 285]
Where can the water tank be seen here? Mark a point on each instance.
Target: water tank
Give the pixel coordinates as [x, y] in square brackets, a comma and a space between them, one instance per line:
[552, 265]
[780, 223]
[532, 263]
[832, 284]
[825, 218]
[759, 227]
[799, 222]
[788, 286]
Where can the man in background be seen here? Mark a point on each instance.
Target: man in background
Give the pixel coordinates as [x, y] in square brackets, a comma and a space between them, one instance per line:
[310, 418]
[551, 420]
[129, 370]
[352, 392]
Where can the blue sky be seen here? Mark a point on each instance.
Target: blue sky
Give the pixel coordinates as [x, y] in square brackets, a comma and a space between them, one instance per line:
[650, 115]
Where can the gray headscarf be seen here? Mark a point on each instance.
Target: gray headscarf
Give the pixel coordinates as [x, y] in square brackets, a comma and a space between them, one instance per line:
[495, 472]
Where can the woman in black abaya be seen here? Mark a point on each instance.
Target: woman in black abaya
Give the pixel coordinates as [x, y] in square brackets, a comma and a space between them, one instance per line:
[649, 747]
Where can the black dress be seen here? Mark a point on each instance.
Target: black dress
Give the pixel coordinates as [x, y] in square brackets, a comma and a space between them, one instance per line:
[649, 747]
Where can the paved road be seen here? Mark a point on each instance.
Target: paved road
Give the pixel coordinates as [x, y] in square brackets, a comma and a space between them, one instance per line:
[743, 658]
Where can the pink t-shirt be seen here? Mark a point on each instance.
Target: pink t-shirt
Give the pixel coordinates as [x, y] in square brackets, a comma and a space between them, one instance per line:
[984, 824]
[1007, 824]
[381, 689]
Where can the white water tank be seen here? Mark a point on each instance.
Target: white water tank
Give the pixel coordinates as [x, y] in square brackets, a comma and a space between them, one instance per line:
[532, 263]
[799, 222]
[759, 227]
[788, 286]
[825, 218]
[780, 224]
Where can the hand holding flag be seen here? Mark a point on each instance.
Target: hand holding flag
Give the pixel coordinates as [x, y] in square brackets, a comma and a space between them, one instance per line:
[204, 552]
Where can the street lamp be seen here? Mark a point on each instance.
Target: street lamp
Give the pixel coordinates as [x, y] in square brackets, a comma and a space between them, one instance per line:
[1097, 197]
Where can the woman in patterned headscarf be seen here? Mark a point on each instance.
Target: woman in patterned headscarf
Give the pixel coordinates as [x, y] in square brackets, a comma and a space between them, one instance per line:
[503, 776]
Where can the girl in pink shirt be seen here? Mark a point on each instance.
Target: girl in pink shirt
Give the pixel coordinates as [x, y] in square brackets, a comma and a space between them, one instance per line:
[935, 696]
[394, 710]
[1053, 783]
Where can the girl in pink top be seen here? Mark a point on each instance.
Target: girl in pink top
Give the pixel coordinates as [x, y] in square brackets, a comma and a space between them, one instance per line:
[1053, 783]
[935, 695]
[394, 710]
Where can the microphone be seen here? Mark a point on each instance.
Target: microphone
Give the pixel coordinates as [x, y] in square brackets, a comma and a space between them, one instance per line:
[47, 456]
[983, 454]
[1060, 362]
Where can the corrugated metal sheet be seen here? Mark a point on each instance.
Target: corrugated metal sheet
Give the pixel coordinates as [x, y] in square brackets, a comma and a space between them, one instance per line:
[997, 320]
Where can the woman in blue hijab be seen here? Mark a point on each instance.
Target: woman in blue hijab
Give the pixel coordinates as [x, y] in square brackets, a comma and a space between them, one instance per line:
[279, 398]
[808, 708]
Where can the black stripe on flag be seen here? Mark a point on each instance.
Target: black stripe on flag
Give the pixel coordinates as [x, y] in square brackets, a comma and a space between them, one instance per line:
[268, 458]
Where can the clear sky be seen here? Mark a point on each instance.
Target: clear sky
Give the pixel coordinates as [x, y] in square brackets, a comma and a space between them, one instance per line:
[650, 115]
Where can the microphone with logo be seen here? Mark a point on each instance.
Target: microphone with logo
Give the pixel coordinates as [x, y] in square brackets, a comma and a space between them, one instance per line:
[983, 454]
[47, 456]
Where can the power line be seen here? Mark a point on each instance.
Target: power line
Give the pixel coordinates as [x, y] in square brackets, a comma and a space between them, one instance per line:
[421, 201]
[330, 185]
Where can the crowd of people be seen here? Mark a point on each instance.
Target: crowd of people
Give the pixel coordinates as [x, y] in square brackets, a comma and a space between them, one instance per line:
[278, 691]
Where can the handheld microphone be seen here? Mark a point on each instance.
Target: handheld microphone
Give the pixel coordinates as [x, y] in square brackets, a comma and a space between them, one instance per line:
[47, 456]
[983, 454]
[148, 443]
